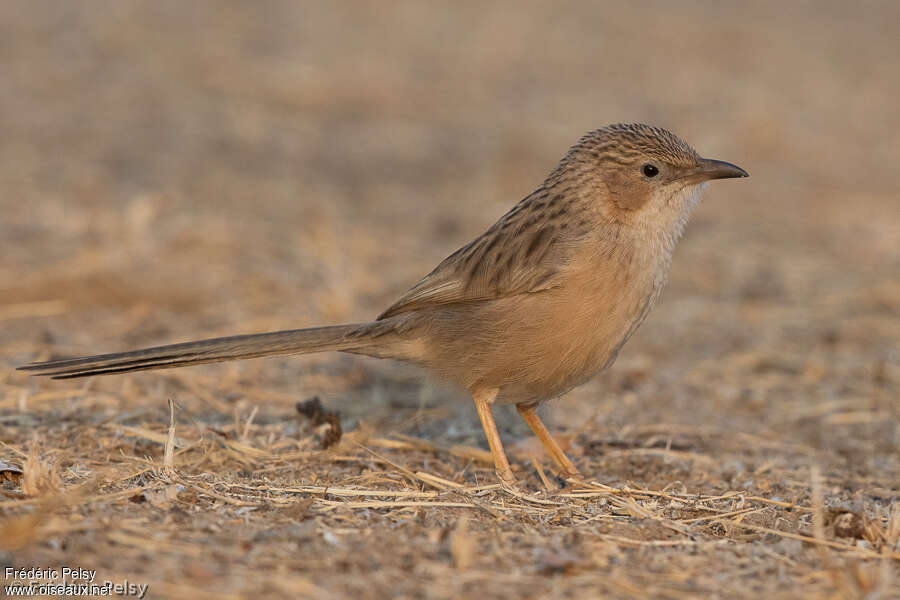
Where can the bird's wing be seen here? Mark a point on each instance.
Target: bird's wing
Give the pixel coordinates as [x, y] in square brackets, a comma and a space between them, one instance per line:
[523, 252]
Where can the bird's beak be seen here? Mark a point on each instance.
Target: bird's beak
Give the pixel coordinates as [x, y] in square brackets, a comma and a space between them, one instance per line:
[708, 169]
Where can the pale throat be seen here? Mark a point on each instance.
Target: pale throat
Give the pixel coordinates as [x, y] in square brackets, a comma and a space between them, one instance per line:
[661, 224]
[666, 219]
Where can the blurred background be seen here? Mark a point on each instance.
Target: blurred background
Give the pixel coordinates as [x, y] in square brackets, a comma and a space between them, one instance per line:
[172, 170]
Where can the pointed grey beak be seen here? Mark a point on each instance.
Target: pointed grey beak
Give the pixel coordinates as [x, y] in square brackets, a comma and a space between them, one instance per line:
[708, 169]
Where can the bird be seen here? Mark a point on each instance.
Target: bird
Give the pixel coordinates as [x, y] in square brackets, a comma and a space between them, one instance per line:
[538, 304]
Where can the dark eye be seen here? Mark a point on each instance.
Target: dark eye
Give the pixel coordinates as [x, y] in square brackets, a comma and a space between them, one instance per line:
[649, 170]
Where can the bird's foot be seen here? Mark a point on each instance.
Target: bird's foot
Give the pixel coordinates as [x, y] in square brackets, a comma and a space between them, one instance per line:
[507, 479]
[510, 485]
[572, 478]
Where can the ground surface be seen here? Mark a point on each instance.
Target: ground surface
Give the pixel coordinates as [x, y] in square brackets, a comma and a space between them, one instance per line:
[171, 171]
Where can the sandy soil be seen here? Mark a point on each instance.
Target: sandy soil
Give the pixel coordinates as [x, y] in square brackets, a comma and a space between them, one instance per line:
[171, 171]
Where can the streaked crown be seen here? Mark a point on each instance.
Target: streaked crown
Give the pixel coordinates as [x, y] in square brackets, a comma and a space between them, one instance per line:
[627, 142]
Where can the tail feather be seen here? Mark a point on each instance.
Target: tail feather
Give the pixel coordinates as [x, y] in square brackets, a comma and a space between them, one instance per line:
[296, 341]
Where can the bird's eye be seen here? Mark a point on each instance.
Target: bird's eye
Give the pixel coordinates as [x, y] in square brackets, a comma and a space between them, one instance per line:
[650, 170]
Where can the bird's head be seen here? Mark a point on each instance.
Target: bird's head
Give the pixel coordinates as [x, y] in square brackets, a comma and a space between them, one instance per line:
[645, 177]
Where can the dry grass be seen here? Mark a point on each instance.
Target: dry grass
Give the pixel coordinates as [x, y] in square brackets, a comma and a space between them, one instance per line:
[173, 171]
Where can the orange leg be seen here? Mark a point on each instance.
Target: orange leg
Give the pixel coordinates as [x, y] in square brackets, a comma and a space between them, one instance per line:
[483, 400]
[528, 412]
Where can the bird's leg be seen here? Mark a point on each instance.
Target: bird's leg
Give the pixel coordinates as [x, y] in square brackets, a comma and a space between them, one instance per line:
[528, 412]
[483, 399]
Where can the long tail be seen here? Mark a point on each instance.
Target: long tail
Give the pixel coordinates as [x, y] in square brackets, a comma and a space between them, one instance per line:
[296, 341]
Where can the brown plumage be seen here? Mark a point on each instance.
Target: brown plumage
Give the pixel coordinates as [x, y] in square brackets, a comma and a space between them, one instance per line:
[535, 306]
